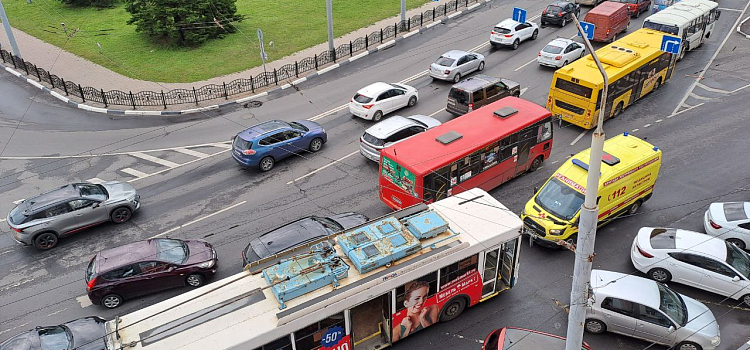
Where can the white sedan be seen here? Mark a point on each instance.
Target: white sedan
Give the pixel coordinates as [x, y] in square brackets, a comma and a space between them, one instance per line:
[559, 52]
[378, 99]
[694, 259]
[729, 221]
[512, 33]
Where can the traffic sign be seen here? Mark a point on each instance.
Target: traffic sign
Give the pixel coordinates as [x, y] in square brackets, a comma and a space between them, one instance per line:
[519, 15]
[588, 28]
[671, 44]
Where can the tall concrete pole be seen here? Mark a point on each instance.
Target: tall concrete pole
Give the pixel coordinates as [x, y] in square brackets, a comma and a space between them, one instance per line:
[579, 295]
[403, 10]
[329, 18]
[9, 31]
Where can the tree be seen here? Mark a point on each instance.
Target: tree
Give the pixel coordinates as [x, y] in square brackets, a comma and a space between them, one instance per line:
[97, 3]
[184, 22]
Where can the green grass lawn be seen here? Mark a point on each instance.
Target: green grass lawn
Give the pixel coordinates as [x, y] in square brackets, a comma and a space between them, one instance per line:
[292, 25]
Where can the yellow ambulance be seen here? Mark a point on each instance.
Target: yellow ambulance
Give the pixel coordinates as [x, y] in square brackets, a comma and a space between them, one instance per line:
[628, 174]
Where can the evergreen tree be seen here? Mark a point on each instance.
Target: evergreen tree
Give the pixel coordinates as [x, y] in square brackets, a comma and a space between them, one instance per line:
[184, 22]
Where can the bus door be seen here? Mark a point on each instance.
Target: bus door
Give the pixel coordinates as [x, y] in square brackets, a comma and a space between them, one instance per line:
[371, 323]
[508, 262]
[526, 139]
[491, 269]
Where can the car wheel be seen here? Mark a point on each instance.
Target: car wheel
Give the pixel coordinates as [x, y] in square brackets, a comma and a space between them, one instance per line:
[377, 116]
[120, 215]
[688, 346]
[316, 144]
[565, 63]
[457, 78]
[266, 164]
[583, 53]
[453, 309]
[515, 44]
[564, 22]
[746, 300]
[657, 85]
[595, 326]
[536, 163]
[412, 101]
[481, 66]
[535, 34]
[618, 110]
[634, 208]
[660, 275]
[111, 301]
[46, 240]
[738, 242]
[195, 280]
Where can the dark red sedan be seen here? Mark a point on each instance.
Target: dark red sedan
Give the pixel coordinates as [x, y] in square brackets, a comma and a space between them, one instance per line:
[526, 339]
[146, 267]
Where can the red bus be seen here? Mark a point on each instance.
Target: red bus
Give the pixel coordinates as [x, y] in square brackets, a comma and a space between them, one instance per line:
[483, 148]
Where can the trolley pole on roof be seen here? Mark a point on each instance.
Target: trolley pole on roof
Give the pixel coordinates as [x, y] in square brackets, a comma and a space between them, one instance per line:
[579, 295]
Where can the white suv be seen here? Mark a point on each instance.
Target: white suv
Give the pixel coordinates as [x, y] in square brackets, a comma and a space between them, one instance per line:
[512, 33]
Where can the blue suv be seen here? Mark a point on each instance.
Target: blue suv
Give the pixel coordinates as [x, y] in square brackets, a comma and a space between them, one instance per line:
[264, 144]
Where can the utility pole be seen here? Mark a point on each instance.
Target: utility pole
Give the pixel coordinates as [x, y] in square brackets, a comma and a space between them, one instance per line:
[329, 19]
[403, 10]
[589, 215]
[9, 31]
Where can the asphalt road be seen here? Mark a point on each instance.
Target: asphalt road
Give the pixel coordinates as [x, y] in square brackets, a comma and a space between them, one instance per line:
[208, 196]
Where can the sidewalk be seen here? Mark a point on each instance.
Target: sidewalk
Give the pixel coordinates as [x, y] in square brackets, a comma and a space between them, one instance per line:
[73, 68]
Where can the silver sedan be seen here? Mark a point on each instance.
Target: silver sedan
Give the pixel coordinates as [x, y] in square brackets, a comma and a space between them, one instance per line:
[455, 64]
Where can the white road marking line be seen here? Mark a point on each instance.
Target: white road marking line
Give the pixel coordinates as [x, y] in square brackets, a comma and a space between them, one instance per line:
[659, 120]
[2, 220]
[728, 9]
[436, 112]
[323, 167]
[199, 219]
[708, 88]
[133, 172]
[711, 61]
[95, 180]
[191, 152]
[699, 97]
[684, 110]
[181, 165]
[18, 201]
[480, 46]
[525, 64]
[579, 137]
[647, 125]
[156, 160]
[84, 301]
[553, 163]
[466, 338]
[740, 88]
[523, 90]
[10, 329]
[224, 145]
[56, 312]
[415, 76]
[634, 130]
[329, 112]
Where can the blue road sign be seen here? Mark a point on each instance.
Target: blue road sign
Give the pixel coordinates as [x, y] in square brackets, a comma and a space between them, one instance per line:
[671, 44]
[519, 15]
[588, 28]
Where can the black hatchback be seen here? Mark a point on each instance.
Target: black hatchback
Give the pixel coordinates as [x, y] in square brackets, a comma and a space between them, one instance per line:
[560, 12]
[297, 233]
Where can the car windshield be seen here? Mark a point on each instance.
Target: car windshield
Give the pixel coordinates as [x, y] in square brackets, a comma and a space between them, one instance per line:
[501, 30]
[559, 199]
[241, 144]
[553, 8]
[16, 216]
[672, 304]
[92, 191]
[91, 269]
[299, 126]
[372, 140]
[552, 49]
[738, 259]
[671, 29]
[171, 250]
[55, 338]
[328, 223]
[362, 98]
[445, 61]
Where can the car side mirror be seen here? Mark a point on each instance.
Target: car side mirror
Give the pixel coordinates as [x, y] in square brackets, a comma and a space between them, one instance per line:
[536, 189]
[736, 279]
[170, 269]
[96, 205]
[670, 329]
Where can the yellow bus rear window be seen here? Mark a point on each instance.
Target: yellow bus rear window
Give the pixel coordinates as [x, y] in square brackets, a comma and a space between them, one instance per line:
[573, 88]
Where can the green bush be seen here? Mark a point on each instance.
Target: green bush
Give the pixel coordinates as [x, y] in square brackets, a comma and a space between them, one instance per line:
[96, 3]
[183, 22]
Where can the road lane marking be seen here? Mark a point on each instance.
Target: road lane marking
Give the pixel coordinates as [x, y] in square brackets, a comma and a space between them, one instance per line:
[523, 90]
[436, 112]
[634, 130]
[133, 172]
[199, 219]
[168, 169]
[326, 113]
[579, 137]
[708, 88]
[647, 125]
[10, 329]
[728, 9]
[525, 64]
[658, 120]
[84, 301]
[225, 145]
[684, 110]
[56, 312]
[191, 152]
[323, 167]
[699, 97]
[156, 160]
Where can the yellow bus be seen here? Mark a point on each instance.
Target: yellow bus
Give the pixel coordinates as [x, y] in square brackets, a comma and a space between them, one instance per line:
[635, 66]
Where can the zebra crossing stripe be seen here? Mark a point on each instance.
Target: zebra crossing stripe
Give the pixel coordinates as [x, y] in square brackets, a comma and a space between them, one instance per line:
[191, 152]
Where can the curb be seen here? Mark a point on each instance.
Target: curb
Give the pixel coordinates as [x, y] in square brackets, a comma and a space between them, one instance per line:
[243, 100]
[745, 346]
[746, 36]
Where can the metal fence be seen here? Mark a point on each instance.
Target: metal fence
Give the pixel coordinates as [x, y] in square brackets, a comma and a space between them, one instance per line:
[237, 86]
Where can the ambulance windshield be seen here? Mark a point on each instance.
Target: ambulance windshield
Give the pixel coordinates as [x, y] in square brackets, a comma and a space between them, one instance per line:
[559, 199]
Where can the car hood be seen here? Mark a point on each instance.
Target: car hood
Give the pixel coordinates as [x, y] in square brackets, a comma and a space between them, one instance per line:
[511, 84]
[700, 319]
[88, 333]
[200, 251]
[349, 220]
[119, 190]
[25, 341]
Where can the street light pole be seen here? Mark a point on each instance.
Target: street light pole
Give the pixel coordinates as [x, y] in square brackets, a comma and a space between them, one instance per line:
[584, 252]
[329, 19]
[9, 31]
[403, 10]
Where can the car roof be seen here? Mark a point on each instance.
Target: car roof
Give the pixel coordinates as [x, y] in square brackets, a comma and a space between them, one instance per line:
[627, 287]
[389, 126]
[455, 54]
[564, 42]
[559, 3]
[700, 243]
[508, 23]
[289, 235]
[126, 254]
[263, 128]
[374, 89]
[51, 197]
[476, 81]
